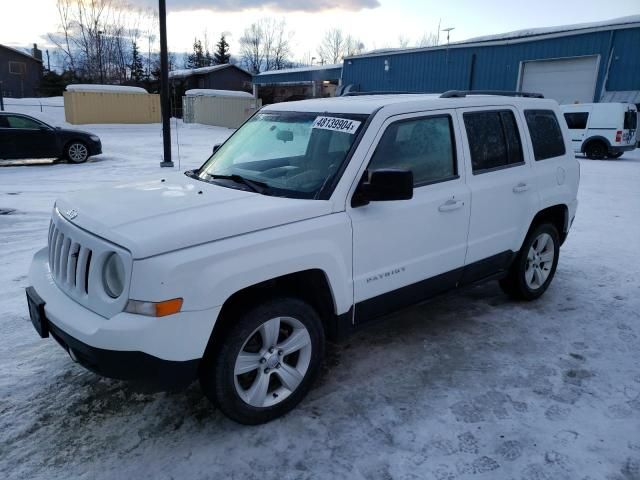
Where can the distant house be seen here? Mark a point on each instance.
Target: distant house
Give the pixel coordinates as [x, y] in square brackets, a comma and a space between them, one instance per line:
[216, 77]
[20, 73]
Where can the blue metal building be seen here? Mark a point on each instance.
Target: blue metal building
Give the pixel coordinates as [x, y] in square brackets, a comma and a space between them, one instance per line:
[579, 63]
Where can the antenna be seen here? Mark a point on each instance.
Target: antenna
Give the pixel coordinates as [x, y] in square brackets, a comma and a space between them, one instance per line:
[448, 30]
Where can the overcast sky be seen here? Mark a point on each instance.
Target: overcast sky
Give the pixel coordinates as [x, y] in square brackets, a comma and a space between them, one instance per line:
[378, 23]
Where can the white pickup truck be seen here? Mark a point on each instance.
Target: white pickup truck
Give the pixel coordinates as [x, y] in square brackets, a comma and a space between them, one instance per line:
[311, 219]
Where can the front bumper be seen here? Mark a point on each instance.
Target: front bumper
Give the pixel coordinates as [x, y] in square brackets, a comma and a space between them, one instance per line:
[95, 148]
[125, 346]
[127, 365]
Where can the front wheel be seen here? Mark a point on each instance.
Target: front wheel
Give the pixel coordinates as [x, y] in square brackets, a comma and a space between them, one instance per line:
[534, 268]
[77, 152]
[266, 363]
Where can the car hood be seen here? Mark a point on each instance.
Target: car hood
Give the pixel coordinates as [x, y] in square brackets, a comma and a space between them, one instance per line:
[161, 215]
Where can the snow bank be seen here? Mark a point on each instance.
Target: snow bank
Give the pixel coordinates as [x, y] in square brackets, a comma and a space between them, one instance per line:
[204, 92]
[104, 88]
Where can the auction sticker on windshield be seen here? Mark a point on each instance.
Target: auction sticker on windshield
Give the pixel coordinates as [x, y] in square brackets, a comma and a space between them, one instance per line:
[336, 124]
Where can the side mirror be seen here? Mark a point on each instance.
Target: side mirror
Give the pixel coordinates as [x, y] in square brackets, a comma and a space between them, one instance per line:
[42, 128]
[215, 147]
[384, 185]
[285, 135]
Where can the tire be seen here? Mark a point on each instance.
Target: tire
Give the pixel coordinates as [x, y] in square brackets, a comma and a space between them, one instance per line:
[76, 152]
[596, 150]
[615, 155]
[265, 382]
[524, 281]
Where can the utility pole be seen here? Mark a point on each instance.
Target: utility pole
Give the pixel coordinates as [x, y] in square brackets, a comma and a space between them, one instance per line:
[100, 32]
[1, 99]
[165, 106]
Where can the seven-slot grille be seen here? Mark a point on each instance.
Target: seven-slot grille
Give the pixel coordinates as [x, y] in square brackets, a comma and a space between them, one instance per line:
[69, 261]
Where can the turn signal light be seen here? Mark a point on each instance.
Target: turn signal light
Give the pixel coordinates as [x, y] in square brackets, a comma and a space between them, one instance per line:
[154, 309]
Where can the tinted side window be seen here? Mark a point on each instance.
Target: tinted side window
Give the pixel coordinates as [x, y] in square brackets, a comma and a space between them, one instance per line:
[494, 140]
[630, 120]
[577, 120]
[21, 122]
[545, 132]
[425, 146]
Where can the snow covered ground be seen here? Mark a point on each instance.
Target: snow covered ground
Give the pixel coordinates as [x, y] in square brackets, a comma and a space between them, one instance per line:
[471, 385]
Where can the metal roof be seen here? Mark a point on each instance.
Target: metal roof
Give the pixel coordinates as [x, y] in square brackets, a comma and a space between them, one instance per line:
[299, 75]
[517, 36]
[188, 72]
[626, 96]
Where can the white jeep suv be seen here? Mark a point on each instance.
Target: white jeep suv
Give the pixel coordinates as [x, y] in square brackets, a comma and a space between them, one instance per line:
[311, 219]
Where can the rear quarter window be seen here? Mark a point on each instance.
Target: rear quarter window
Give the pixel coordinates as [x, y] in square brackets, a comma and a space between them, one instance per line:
[577, 120]
[546, 134]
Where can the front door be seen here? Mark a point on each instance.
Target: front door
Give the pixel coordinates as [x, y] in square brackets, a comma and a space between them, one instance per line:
[31, 139]
[7, 145]
[407, 250]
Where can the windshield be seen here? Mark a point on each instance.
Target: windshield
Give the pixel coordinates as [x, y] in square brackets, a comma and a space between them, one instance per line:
[288, 154]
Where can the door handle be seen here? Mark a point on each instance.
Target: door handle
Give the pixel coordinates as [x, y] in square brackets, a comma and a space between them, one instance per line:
[450, 205]
[521, 187]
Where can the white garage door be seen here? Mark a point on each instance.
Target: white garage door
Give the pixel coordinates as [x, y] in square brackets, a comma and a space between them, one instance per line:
[567, 80]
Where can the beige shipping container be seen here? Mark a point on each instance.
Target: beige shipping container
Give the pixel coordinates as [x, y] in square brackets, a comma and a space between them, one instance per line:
[218, 107]
[82, 106]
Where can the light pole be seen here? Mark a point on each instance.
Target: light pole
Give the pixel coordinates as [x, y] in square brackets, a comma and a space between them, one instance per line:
[165, 106]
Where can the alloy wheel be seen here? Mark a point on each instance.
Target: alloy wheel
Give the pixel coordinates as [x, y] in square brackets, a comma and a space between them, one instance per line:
[539, 261]
[78, 153]
[272, 362]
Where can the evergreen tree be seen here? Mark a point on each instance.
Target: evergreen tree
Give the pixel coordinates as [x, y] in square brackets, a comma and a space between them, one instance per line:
[137, 70]
[208, 60]
[196, 59]
[222, 54]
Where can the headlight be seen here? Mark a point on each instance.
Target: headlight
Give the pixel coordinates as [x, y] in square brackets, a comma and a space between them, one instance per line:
[95, 138]
[113, 276]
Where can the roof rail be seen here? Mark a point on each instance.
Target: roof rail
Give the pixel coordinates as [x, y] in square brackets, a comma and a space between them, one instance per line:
[503, 93]
[358, 94]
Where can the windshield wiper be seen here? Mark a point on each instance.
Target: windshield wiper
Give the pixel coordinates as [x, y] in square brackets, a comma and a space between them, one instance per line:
[259, 187]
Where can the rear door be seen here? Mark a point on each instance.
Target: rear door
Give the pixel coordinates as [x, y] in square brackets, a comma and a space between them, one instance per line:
[630, 125]
[503, 197]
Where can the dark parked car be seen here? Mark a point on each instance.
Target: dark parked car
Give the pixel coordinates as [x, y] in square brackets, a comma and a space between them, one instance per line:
[22, 136]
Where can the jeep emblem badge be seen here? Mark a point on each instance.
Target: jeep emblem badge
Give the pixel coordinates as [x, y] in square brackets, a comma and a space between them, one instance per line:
[71, 214]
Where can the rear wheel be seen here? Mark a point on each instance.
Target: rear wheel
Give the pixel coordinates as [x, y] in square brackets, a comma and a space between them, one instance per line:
[266, 363]
[77, 152]
[596, 150]
[534, 268]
